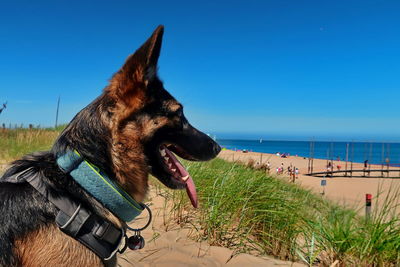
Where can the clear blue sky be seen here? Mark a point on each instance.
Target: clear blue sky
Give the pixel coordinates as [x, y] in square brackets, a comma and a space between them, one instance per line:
[271, 69]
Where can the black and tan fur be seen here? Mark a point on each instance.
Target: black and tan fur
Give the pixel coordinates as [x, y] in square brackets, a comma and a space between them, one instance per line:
[120, 132]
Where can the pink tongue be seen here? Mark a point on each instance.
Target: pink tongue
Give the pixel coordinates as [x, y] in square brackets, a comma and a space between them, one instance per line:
[182, 172]
[191, 191]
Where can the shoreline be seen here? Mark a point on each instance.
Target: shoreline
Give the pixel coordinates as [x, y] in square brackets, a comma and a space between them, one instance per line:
[347, 191]
[358, 152]
[308, 140]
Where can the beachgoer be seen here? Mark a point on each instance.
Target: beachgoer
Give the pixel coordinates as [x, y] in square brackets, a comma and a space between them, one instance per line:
[297, 173]
[329, 167]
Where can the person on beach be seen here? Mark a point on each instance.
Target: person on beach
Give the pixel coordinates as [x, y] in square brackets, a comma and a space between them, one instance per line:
[296, 173]
[365, 166]
[329, 167]
[293, 174]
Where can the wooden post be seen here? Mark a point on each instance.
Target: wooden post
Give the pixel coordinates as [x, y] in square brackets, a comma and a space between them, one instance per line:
[58, 107]
[312, 157]
[352, 159]
[365, 158]
[309, 161]
[388, 158]
[383, 156]
[327, 162]
[369, 159]
[332, 156]
[347, 157]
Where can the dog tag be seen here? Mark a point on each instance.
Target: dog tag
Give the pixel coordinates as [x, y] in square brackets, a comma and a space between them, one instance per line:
[136, 242]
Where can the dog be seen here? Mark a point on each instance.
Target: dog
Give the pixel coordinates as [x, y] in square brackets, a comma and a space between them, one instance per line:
[131, 130]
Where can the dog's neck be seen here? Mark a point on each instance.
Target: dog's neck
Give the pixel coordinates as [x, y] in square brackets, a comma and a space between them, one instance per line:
[130, 169]
[88, 134]
[97, 184]
[114, 153]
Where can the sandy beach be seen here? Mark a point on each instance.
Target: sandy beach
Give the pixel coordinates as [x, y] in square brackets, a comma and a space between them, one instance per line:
[343, 190]
[170, 244]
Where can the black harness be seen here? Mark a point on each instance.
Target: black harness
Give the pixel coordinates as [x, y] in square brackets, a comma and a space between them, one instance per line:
[93, 231]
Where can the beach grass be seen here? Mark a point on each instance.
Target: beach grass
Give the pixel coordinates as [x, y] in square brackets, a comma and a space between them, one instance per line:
[249, 211]
[15, 143]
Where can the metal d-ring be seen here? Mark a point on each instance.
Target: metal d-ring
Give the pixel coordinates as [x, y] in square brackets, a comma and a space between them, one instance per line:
[148, 222]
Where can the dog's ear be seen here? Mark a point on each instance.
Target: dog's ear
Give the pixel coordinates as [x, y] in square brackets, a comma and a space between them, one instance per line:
[147, 55]
[139, 69]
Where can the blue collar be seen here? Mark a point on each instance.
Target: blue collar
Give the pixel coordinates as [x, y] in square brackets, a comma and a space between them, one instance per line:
[100, 186]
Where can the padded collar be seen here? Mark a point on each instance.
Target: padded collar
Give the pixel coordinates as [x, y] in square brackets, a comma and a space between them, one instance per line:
[100, 186]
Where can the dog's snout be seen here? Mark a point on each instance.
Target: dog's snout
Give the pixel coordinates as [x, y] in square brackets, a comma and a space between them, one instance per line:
[214, 147]
[217, 149]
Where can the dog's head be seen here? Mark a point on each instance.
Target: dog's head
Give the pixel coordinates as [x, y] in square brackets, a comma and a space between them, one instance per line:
[143, 126]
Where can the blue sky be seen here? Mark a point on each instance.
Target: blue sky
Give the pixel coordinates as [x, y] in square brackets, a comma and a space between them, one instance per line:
[271, 69]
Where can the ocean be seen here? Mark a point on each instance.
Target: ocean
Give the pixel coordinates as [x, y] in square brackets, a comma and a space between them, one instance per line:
[375, 153]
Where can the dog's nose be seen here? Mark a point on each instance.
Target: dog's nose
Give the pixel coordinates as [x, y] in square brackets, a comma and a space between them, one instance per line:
[217, 148]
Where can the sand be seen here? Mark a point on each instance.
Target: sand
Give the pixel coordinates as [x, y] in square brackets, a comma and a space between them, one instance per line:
[350, 192]
[169, 244]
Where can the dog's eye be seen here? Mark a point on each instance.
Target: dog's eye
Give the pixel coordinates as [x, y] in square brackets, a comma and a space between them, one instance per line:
[179, 112]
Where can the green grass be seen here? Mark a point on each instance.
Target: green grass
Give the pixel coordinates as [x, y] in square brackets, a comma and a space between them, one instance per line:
[244, 209]
[15, 143]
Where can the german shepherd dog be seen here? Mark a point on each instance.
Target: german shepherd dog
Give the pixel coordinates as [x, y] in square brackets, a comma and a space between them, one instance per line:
[128, 132]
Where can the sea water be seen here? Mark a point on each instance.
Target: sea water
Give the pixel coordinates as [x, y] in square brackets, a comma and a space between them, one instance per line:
[375, 153]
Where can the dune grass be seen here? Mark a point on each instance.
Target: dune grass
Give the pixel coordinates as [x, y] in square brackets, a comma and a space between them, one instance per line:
[15, 143]
[247, 210]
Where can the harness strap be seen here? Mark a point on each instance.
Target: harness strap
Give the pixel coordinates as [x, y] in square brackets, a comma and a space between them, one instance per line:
[96, 233]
